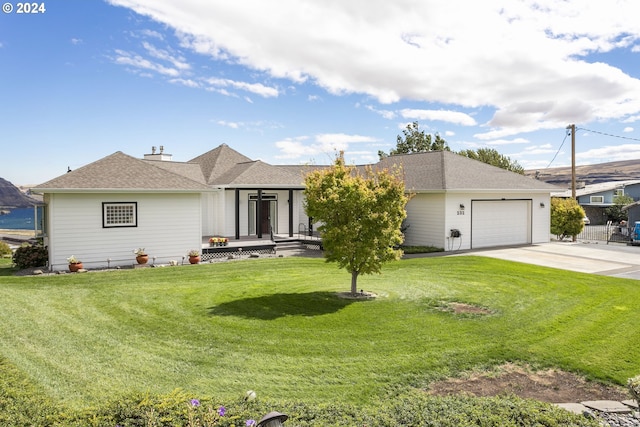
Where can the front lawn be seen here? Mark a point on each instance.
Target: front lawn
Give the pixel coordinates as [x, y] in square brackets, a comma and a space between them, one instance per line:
[276, 326]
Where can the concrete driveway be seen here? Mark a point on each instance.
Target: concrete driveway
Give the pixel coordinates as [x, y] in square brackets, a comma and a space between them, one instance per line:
[609, 260]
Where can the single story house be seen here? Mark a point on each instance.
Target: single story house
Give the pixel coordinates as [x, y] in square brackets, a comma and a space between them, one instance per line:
[101, 212]
[596, 198]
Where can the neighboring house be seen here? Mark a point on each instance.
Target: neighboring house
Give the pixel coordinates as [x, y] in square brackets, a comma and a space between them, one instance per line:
[103, 211]
[596, 198]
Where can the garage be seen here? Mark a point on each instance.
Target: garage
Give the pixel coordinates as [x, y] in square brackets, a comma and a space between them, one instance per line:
[500, 223]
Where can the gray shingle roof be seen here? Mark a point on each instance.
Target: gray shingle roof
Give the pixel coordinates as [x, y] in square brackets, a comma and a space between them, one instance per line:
[445, 170]
[122, 172]
[219, 161]
[225, 167]
[260, 173]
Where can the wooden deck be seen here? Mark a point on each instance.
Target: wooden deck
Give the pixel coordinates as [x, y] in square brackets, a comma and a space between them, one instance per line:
[248, 245]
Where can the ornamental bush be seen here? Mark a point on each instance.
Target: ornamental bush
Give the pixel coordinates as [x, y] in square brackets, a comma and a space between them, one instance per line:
[566, 217]
[5, 250]
[28, 256]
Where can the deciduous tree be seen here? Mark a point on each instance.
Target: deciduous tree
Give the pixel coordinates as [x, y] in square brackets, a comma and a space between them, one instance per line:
[360, 214]
[615, 212]
[414, 140]
[492, 157]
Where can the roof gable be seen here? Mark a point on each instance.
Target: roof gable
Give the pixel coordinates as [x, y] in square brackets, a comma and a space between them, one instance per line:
[123, 172]
[219, 161]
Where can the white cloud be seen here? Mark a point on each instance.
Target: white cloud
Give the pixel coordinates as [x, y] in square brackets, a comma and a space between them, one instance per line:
[526, 60]
[163, 55]
[185, 82]
[440, 115]
[387, 114]
[232, 125]
[76, 41]
[610, 153]
[138, 62]
[628, 129]
[328, 144]
[256, 88]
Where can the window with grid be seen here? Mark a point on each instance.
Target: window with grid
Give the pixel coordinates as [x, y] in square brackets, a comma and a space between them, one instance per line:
[120, 214]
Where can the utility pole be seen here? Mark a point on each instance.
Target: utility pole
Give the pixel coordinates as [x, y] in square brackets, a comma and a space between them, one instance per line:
[572, 129]
[573, 160]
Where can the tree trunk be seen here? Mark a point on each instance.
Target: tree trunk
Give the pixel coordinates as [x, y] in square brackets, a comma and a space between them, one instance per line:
[354, 282]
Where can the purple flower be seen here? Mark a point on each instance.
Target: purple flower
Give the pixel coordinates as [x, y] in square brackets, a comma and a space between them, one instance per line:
[221, 411]
[250, 423]
[195, 402]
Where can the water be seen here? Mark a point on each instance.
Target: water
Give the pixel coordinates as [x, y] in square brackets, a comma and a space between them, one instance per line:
[17, 219]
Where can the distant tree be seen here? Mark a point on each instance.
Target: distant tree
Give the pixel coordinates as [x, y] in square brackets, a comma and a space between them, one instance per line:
[414, 140]
[615, 212]
[360, 214]
[492, 157]
[566, 217]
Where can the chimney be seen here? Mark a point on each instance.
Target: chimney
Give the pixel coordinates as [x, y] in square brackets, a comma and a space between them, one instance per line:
[161, 156]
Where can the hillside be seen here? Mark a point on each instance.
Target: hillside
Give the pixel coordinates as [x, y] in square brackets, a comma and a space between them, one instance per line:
[590, 174]
[12, 197]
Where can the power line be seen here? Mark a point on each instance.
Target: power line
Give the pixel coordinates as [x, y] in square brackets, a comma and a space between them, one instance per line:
[559, 148]
[608, 134]
[592, 131]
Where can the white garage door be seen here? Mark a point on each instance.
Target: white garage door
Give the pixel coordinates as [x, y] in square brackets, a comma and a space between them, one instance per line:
[500, 223]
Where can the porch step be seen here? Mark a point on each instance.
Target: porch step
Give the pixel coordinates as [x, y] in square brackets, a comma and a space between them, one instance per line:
[287, 247]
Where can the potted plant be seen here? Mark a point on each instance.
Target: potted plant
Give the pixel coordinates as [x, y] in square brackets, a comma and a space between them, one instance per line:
[225, 241]
[194, 256]
[74, 264]
[213, 241]
[141, 256]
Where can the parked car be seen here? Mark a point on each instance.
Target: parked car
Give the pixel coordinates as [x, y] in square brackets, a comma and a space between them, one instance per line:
[586, 220]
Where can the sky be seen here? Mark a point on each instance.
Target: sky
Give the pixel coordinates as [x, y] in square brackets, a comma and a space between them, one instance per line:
[298, 81]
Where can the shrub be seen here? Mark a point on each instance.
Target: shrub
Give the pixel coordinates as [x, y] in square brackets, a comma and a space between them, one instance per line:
[566, 217]
[5, 250]
[27, 256]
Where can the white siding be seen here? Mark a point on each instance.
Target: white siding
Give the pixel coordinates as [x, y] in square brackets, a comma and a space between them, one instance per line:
[169, 225]
[432, 216]
[426, 219]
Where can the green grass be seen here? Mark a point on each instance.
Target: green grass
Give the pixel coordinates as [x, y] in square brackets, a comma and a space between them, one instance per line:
[277, 327]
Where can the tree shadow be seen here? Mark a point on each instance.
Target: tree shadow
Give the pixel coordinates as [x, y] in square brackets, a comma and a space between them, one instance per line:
[270, 307]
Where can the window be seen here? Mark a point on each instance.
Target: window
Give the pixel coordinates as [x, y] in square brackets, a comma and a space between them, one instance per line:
[597, 199]
[119, 214]
[619, 192]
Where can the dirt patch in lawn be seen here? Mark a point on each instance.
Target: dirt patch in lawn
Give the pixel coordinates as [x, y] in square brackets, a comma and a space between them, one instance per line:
[553, 386]
[462, 308]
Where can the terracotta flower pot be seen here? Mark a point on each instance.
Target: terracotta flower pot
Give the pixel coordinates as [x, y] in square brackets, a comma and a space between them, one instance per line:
[194, 259]
[74, 267]
[142, 259]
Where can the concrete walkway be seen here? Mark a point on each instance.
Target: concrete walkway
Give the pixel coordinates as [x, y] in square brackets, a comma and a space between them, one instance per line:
[614, 259]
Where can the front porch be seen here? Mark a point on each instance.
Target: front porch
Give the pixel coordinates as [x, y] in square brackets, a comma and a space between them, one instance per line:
[248, 245]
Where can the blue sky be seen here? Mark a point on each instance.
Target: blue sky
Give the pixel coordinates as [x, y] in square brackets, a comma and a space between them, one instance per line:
[295, 81]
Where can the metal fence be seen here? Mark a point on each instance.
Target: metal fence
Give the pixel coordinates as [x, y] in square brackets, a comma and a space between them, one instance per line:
[607, 233]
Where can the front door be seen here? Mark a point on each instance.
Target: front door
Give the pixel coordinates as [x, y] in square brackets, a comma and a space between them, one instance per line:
[265, 217]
